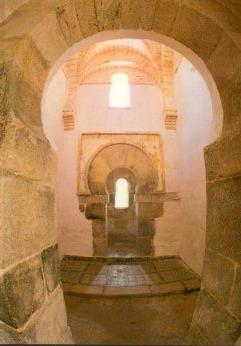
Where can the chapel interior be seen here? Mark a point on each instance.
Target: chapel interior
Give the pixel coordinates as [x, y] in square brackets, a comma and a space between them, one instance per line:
[120, 172]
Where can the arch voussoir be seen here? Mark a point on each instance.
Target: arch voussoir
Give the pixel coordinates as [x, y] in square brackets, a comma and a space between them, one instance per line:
[27, 59]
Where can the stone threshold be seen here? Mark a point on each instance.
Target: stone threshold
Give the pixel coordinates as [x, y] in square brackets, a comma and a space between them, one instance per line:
[168, 289]
[119, 259]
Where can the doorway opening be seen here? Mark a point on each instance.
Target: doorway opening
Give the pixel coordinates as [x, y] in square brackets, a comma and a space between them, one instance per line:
[162, 123]
[155, 227]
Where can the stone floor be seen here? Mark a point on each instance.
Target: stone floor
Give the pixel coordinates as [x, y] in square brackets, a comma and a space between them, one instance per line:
[130, 320]
[127, 276]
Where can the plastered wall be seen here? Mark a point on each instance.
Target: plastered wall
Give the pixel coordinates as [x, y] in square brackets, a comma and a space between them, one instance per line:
[194, 132]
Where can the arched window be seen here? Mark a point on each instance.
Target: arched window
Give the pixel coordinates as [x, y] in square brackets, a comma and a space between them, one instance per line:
[121, 194]
[119, 91]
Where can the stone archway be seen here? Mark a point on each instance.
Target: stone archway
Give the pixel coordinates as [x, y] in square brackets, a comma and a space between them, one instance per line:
[212, 33]
[134, 226]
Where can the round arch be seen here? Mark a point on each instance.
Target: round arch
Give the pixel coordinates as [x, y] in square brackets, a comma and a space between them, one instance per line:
[130, 157]
[199, 33]
[196, 61]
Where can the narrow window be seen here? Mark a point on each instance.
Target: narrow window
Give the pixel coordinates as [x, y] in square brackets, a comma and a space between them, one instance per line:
[119, 91]
[121, 194]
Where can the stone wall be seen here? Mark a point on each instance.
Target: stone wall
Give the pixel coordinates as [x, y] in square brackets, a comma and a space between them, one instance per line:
[32, 305]
[195, 130]
[9, 6]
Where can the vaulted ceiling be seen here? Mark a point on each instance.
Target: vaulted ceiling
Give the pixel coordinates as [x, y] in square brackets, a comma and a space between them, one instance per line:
[145, 62]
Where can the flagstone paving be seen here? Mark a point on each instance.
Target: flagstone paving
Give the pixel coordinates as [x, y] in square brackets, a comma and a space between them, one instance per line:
[143, 276]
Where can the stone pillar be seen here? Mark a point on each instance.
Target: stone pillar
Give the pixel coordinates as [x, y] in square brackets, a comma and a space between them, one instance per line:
[99, 238]
[32, 304]
[144, 241]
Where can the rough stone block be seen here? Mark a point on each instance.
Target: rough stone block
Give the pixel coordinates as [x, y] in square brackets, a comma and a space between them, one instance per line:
[95, 268]
[228, 79]
[234, 304]
[98, 227]
[58, 44]
[218, 275]
[27, 77]
[95, 211]
[50, 326]
[108, 15]
[4, 107]
[223, 158]
[126, 291]
[73, 265]
[86, 16]
[144, 245]
[165, 15]
[195, 337]
[180, 274]
[68, 22]
[187, 18]
[100, 247]
[22, 292]
[9, 336]
[168, 264]
[224, 217]
[168, 289]
[70, 277]
[85, 289]
[231, 104]
[150, 210]
[225, 52]
[50, 258]
[21, 151]
[218, 326]
[238, 341]
[136, 14]
[67, 287]
[146, 228]
[192, 285]
[27, 217]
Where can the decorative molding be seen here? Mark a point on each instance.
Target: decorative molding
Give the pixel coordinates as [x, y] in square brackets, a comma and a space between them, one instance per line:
[170, 119]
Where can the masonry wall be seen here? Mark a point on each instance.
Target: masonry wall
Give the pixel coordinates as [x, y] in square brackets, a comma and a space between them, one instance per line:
[32, 303]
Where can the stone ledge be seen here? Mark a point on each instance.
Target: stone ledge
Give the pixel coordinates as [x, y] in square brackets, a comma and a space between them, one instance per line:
[110, 260]
[133, 291]
[192, 285]
[80, 290]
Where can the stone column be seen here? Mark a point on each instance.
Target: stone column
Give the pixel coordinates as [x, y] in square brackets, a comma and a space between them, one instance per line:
[99, 238]
[144, 241]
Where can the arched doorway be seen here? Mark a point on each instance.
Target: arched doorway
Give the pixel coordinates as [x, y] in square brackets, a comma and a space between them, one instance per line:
[182, 28]
[122, 228]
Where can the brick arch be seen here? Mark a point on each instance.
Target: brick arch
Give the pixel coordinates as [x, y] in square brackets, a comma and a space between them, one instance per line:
[207, 34]
[127, 53]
